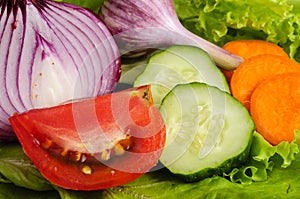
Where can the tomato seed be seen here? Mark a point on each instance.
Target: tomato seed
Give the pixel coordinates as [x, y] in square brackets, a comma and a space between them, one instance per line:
[126, 143]
[105, 155]
[46, 144]
[87, 170]
[119, 150]
[74, 155]
[64, 152]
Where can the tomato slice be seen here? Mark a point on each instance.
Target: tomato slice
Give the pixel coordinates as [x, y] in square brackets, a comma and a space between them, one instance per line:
[94, 143]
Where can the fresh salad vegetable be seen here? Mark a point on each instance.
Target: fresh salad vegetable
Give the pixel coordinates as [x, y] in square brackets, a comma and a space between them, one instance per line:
[250, 48]
[143, 24]
[260, 66]
[95, 143]
[50, 53]
[179, 64]
[255, 70]
[275, 107]
[203, 135]
[270, 170]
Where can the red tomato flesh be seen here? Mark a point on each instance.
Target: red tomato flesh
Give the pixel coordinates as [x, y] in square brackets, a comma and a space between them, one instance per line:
[94, 144]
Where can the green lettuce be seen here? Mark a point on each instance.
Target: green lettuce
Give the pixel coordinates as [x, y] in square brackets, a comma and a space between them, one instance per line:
[16, 168]
[270, 170]
[263, 158]
[220, 21]
[10, 191]
[282, 183]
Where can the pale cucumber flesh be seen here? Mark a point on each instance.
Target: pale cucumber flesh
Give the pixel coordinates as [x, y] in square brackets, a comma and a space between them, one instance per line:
[177, 65]
[208, 131]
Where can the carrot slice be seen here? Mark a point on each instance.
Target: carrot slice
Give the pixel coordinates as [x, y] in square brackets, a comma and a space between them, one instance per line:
[250, 48]
[275, 107]
[257, 69]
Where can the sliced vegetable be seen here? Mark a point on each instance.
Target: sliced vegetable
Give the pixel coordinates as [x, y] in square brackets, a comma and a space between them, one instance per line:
[275, 107]
[140, 25]
[50, 53]
[176, 65]
[250, 48]
[255, 70]
[208, 131]
[95, 143]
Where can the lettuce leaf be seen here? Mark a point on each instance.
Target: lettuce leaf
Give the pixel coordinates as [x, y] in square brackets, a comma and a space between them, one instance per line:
[16, 168]
[263, 158]
[220, 21]
[9, 191]
[296, 5]
[281, 183]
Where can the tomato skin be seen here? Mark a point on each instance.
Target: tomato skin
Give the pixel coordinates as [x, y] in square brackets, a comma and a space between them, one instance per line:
[127, 110]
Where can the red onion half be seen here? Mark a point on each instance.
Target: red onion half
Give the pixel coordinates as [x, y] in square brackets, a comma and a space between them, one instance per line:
[142, 24]
[50, 53]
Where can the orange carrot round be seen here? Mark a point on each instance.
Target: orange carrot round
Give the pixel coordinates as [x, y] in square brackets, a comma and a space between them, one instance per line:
[250, 48]
[275, 107]
[255, 70]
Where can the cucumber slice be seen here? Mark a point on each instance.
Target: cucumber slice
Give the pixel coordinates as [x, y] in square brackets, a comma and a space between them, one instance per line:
[208, 131]
[178, 65]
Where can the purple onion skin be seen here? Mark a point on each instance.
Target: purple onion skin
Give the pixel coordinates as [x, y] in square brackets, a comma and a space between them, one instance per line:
[141, 24]
[51, 53]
